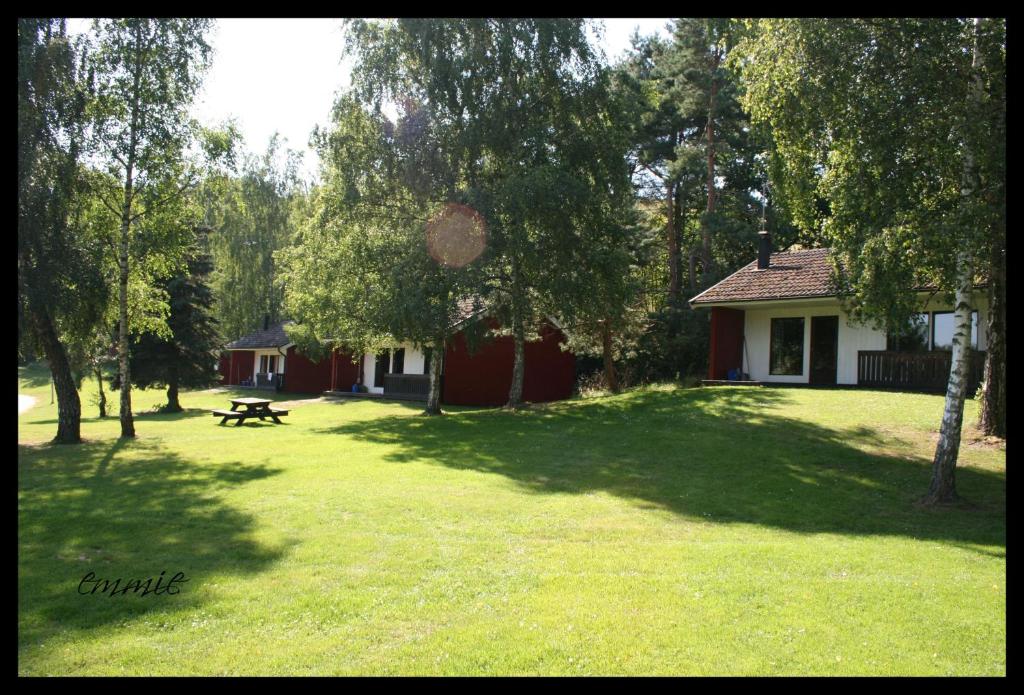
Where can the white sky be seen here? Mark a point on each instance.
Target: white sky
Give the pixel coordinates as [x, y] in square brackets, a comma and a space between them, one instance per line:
[282, 75]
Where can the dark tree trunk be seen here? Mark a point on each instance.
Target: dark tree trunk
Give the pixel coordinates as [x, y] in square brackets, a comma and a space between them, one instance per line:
[127, 424]
[103, 395]
[992, 418]
[711, 155]
[434, 395]
[173, 406]
[611, 379]
[515, 392]
[69, 406]
[674, 256]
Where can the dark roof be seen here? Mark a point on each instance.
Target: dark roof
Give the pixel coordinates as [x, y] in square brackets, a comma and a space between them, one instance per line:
[274, 336]
[789, 275]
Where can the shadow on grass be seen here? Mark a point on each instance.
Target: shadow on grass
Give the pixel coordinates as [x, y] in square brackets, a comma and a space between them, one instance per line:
[141, 415]
[721, 455]
[35, 375]
[124, 510]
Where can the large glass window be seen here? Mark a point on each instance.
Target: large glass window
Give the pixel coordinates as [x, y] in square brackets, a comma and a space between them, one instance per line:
[911, 338]
[786, 352]
[942, 331]
[398, 362]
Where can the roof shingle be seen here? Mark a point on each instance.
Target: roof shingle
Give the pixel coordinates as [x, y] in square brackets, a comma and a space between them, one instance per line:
[273, 336]
[789, 275]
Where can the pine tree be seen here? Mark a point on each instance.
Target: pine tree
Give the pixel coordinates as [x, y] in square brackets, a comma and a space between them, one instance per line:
[188, 359]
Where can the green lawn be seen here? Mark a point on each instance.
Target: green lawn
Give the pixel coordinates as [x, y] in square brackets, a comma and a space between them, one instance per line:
[662, 531]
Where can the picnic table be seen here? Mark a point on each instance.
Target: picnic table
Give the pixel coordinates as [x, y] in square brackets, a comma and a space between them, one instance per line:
[253, 408]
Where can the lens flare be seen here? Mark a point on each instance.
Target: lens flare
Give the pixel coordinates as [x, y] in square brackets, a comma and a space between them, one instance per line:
[456, 236]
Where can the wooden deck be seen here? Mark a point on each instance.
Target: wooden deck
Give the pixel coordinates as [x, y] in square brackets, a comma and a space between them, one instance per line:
[924, 371]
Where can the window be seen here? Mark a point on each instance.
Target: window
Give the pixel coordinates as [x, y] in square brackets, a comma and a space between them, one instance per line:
[786, 351]
[398, 362]
[267, 364]
[426, 359]
[942, 330]
[911, 338]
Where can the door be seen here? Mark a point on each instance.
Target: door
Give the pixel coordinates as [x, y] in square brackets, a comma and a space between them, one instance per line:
[824, 349]
[381, 368]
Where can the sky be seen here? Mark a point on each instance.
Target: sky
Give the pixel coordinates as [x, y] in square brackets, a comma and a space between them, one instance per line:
[282, 75]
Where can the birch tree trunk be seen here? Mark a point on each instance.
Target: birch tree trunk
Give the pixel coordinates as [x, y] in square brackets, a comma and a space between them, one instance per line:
[127, 423]
[942, 489]
[943, 485]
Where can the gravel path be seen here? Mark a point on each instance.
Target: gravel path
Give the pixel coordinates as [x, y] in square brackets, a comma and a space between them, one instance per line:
[24, 403]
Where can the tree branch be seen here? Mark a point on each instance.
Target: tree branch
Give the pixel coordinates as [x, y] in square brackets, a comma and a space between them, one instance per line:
[166, 199]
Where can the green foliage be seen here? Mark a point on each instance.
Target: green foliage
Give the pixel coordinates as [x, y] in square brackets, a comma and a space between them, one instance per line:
[523, 128]
[58, 256]
[360, 274]
[870, 122]
[253, 215]
[147, 73]
[187, 355]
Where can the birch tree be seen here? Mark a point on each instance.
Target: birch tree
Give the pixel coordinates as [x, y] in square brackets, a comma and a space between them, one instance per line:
[529, 133]
[887, 137]
[61, 291]
[147, 71]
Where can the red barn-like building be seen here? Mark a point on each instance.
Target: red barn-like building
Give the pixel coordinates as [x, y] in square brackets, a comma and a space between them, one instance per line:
[268, 359]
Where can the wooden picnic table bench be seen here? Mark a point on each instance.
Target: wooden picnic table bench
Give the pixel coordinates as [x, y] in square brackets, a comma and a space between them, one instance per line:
[254, 408]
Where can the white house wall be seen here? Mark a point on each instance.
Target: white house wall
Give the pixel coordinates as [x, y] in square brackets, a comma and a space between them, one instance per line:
[414, 364]
[278, 363]
[852, 337]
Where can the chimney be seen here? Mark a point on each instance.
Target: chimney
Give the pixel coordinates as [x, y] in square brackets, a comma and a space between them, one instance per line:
[764, 251]
[266, 321]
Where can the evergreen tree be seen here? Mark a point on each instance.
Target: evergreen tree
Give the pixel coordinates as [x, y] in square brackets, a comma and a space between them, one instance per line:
[188, 357]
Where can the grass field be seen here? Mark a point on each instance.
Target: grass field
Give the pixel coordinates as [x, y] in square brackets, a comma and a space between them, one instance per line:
[661, 531]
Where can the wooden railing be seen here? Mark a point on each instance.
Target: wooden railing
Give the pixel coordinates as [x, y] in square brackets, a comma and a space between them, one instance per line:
[914, 371]
[407, 385]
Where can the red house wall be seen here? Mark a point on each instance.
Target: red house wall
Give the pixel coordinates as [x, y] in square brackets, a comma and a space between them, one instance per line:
[236, 365]
[726, 341]
[346, 372]
[485, 377]
[224, 367]
[301, 375]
